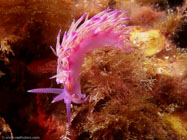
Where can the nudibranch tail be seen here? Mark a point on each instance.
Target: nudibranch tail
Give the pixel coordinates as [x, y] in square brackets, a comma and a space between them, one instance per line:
[68, 110]
[106, 28]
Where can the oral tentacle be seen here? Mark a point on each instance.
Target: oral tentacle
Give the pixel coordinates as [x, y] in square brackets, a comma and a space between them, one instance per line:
[79, 101]
[47, 90]
[58, 98]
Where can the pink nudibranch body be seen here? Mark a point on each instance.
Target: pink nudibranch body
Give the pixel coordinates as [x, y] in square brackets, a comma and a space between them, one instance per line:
[106, 28]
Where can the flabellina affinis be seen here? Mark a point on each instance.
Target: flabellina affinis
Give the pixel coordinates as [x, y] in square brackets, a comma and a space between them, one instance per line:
[106, 28]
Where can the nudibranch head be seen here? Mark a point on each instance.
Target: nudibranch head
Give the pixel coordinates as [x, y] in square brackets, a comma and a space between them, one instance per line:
[106, 28]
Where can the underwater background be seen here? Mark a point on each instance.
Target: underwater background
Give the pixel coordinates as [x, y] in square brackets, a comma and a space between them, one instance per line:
[137, 95]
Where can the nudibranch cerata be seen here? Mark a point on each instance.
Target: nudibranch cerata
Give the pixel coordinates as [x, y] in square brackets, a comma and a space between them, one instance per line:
[106, 28]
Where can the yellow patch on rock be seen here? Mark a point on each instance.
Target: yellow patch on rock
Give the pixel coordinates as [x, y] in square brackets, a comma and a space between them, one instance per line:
[177, 124]
[151, 41]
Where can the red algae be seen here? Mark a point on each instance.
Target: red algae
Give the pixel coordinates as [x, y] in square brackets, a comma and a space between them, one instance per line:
[91, 6]
[146, 16]
[43, 66]
[5, 130]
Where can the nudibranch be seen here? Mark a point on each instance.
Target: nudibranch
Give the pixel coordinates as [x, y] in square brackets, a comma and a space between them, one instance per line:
[106, 28]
